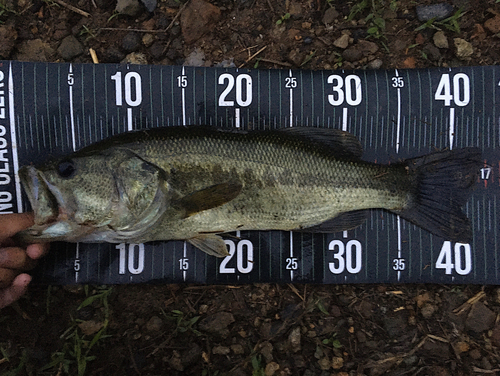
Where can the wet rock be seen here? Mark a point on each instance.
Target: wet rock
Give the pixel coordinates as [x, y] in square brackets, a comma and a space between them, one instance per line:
[150, 4]
[440, 40]
[342, 42]
[131, 42]
[436, 349]
[157, 50]
[352, 54]
[330, 15]
[198, 19]
[70, 48]
[438, 11]
[216, 323]
[196, 58]
[271, 368]
[493, 24]
[294, 339]
[34, 50]
[480, 318]
[128, 7]
[112, 55]
[8, 36]
[135, 58]
[155, 324]
[463, 48]
[221, 350]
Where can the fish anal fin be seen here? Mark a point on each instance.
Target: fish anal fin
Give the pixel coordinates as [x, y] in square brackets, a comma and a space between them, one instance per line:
[338, 142]
[210, 197]
[342, 222]
[211, 244]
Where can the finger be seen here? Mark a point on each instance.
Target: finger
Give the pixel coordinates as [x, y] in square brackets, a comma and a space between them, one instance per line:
[6, 277]
[13, 292]
[35, 251]
[11, 224]
[13, 258]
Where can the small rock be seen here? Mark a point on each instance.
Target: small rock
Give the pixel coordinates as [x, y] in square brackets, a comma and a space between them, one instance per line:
[493, 24]
[135, 58]
[8, 36]
[375, 64]
[70, 48]
[148, 39]
[409, 63]
[361, 336]
[150, 4]
[90, 327]
[495, 335]
[367, 47]
[217, 322]
[436, 349]
[440, 40]
[461, 347]
[395, 325]
[352, 54]
[198, 19]
[295, 9]
[365, 308]
[324, 363]
[342, 42]
[267, 351]
[176, 361]
[128, 7]
[237, 349]
[432, 52]
[480, 318]
[337, 362]
[295, 57]
[155, 324]
[271, 368]
[34, 50]
[438, 11]
[330, 15]
[196, 58]
[131, 42]
[157, 50]
[475, 354]
[294, 339]
[221, 350]
[464, 48]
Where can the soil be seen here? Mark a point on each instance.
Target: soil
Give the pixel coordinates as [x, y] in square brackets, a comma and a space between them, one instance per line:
[259, 329]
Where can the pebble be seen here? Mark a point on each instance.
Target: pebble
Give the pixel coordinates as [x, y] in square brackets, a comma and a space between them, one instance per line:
[155, 324]
[150, 4]
[337, 362]
[271, 368]
[135, 58]
[324, 363]
[196, 58]
[197, 19]
[157, 50]
[221, 350]
[295, 57]
[480, 318]
[295, 9]
[395, 325]
[432, 52]
[464, 48]
[495, 335]
[131, 42]
[128, 7]
[440, 39]
[237, 349]
[493, 24]
[438, 11]
[148, 39]
[90, 327]
[217, 322]
[267, 351]
[70, 48]
[294, 339]
[352, 54]
[375, 64]
[330, 15]
[436, 349]
[342, 42]
[8, 36]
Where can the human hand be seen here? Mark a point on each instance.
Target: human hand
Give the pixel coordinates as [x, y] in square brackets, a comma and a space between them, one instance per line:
[14, 260]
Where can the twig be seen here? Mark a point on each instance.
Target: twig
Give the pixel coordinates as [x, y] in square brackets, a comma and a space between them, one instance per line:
[470, 302]
[71, 7]
[295, 291]
[480, 370]
[251, 57]
[285, 64]
[177, 16]
[94, 56]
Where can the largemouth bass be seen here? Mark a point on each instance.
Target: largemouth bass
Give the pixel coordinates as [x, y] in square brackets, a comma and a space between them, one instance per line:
[195, 183]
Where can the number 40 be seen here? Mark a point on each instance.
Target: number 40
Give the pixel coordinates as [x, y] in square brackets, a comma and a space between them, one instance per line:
[463, 258]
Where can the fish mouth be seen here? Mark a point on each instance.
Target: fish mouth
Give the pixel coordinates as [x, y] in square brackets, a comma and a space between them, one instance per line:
[47, 204]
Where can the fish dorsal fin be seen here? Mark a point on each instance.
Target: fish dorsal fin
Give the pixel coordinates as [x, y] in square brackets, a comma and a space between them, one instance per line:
[211, 244]
[210, 197]
[342, 222]
[338, 142]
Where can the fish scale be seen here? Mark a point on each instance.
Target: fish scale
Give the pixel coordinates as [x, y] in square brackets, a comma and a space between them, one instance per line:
[396, 114]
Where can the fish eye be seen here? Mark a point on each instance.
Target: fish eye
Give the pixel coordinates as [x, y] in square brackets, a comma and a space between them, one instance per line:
[66, 168]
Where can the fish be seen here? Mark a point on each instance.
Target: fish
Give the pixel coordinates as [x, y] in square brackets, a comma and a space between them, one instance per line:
[198, 183]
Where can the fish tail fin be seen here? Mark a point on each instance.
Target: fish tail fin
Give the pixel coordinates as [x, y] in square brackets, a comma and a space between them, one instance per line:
[443, 182]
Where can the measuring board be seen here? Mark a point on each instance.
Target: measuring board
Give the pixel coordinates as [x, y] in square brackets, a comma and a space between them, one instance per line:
[49, 110]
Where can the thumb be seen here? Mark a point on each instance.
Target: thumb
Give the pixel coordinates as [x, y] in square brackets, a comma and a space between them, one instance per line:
[12, 293]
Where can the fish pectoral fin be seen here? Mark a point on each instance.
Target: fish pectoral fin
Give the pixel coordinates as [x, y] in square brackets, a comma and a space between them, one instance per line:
[211, 244]
[342, 222]
[336, 141]
[210, 197]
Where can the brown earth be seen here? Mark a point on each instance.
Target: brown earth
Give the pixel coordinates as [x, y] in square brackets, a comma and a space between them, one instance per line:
[259, 329]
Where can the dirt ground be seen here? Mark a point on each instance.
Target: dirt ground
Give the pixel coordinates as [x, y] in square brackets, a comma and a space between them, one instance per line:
[259, 329]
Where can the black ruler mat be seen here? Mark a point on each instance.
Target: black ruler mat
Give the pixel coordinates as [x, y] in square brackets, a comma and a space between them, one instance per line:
[49, 109]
